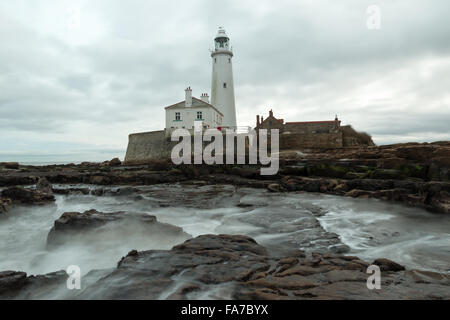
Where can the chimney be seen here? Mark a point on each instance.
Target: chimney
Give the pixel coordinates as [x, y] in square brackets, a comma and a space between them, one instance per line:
[262, 119]
[188, 99]
[205, 97]
[257, 120]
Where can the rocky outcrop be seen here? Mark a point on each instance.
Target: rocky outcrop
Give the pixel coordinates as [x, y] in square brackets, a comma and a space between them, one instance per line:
[111, 163]
[426, 161]
[236, 267]
[416, 174]
[433, 196]
[11, 281]
[9, 165]
[4, 205]
[17, 285]
[21, 195]
[75, 226]
[44, 186]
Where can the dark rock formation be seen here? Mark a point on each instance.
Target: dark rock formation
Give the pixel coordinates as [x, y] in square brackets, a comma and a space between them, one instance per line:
[388, 265]
[10, 165]
[111, 163]
[44, 186]
[16, 285]
[75, 226]
[11, 281]
[27, 196]
[416, 174]
[71, 190]
[236, 267]
[115, 162]
[4, 205]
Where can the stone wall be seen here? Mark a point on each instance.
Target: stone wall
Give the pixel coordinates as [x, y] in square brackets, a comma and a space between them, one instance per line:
[155, 145]
[296, 141]
[148, 146]
[311, 127]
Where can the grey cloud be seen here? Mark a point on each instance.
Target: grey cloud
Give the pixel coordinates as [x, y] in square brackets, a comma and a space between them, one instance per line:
[306, 59]
[79, 82]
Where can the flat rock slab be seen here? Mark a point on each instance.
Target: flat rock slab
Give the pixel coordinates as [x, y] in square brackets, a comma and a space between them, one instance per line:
[77, 227]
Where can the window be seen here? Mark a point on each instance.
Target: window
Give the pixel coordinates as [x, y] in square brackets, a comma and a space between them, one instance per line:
[199, 115]
[225, 85]
[215, 59]
[177, 116]
[229, 60]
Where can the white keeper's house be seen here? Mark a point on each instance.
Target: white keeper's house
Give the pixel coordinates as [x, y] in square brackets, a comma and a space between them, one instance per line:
[184, 114]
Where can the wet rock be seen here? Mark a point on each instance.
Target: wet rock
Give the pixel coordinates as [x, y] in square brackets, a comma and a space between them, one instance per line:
[67, 191]
[369, 184]
[123, 191]
[236, 267]
[415, 152]
[275, 187]
[16, 285]
[203, 262]
[102, 180]
[420, 276]
[27, 196]
[388, 265]
[356, 193]
[4, 205]
[10, 165]
[339, 248]
[293, 170]
[115, 162]
[391, 194]
[7, 180]
[44, 186]
[251, 173]
[355, 175]
[324, 169]
[74, 226]
[98, 192]
[11, 281]
[387, 174]
[291, 282]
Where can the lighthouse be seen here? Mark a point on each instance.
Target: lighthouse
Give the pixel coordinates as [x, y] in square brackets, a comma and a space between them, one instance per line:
[222, 86]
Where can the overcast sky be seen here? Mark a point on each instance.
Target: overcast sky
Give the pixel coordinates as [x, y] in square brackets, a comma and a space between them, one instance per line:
[73, 89]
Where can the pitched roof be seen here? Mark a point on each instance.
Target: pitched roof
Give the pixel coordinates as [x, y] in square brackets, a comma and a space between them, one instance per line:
[195, 103]
[306, 122]
[270, 118]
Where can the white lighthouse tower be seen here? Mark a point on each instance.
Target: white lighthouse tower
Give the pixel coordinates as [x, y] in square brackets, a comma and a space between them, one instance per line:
[222, 87]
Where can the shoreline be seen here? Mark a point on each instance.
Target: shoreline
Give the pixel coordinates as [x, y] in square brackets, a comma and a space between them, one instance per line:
[415, 174]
